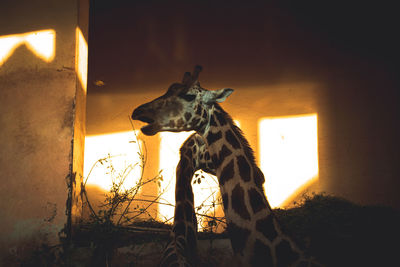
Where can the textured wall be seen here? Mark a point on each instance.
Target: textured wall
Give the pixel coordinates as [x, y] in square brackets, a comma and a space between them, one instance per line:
[40, 103]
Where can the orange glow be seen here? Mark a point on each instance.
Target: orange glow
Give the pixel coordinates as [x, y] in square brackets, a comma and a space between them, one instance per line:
[288, 154]
[41, 43]
[205, 193]
[169, 158]
[121, 150]
[81, 58]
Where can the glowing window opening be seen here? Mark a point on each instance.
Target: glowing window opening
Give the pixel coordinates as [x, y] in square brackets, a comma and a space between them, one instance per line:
[121, 150]
[41, 43]
[288, 154]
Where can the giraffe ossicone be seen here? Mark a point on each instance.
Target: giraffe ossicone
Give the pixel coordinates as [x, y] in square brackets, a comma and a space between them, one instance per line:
[217, 147]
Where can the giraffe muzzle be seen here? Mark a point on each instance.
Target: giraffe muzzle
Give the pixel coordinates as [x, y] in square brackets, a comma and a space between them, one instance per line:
[141, 114]
[151, 128]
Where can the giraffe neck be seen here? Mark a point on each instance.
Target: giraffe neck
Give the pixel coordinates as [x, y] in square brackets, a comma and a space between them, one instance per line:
[182, 248]
[254, 231]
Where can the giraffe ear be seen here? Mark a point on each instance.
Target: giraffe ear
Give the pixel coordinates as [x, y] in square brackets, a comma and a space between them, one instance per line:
[217, 95]
[222, 94]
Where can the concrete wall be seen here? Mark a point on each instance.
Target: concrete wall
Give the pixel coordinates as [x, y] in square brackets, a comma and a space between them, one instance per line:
[42, 113]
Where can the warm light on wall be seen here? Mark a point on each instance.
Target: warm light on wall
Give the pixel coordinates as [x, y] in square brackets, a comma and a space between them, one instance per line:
[205, 193]
[169, 158]
[122, 151]
[81, 58]
[288, 148]
[41, 43]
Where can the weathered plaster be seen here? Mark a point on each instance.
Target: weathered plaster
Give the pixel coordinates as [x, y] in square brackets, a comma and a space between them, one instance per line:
[38, 116]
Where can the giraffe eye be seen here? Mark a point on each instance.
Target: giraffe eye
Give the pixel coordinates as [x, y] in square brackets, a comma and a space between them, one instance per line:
[187, 97]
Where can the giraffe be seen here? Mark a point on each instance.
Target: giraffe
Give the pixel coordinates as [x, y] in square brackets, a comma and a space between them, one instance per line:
[219, 147]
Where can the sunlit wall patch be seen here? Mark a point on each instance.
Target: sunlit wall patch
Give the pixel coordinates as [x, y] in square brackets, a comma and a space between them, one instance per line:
[110, 157]
[81, 58]
[41, 43]
[288, 149]
[205, 193]
[169, 158]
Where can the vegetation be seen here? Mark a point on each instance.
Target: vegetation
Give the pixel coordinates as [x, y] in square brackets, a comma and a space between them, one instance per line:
[341, 233]
[335, 231]
[119, 220]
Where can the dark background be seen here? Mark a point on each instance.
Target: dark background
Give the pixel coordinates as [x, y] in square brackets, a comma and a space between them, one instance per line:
[135, 43]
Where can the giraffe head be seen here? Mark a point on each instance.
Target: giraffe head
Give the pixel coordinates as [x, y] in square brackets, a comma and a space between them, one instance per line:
[184, 107]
